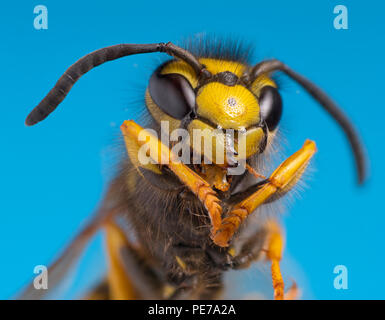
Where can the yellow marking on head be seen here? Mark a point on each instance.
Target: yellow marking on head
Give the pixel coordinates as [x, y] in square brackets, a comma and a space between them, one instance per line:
[217, 66]
[207, 141]
[229, 107]
[262, 81]
[252, 139]
[183, 68]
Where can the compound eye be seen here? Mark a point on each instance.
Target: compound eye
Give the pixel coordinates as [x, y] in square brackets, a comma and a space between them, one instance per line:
[172, 93]
[270, 104]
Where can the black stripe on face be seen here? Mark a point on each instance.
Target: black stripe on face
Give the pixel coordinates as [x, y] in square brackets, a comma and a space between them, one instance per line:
[226, 77]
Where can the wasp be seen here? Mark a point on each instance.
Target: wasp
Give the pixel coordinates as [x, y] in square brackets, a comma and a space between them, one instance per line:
[173, 228]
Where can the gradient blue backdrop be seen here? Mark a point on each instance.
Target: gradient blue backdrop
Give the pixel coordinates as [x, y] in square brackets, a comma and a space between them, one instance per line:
[54, 174]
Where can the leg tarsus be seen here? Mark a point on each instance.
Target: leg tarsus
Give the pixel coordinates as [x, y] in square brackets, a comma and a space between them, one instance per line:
[274, 254]
[208, 197]
[278, 283]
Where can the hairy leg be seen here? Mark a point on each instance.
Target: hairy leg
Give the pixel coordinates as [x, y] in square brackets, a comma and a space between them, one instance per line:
[163, 156]
[286, 175]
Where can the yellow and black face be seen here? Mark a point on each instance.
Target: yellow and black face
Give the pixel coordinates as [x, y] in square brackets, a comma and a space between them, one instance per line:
[223, 101]
[210, 95]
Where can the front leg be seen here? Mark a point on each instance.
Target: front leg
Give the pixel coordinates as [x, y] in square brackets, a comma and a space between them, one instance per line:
[286, 175]
[274, 254]
[188, 177]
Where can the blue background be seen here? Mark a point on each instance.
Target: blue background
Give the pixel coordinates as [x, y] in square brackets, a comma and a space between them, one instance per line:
[54, 174]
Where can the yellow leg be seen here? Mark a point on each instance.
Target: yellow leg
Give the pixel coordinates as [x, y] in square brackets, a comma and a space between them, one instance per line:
[188, 177]
[120, 286]
[222, 231]
[287, 173]
[274, 254]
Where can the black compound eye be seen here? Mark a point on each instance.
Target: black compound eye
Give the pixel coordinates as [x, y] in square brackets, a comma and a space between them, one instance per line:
[270, 104]
[172, 93]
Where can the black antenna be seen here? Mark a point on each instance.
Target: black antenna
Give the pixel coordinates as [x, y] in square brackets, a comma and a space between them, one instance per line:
[98, 57]
[327, 103]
